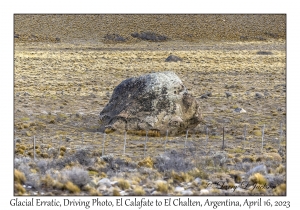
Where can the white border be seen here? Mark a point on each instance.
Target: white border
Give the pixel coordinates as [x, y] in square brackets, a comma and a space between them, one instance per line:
[153, 6]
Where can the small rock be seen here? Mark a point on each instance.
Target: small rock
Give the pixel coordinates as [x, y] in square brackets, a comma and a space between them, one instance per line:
[79, 114]
[258, 169]
[17, 140]
[204, 192]
[173, 58]
[155, 193]
[204, 96]
[197, 181]
[101, 188]
[187, 192]
[26, 94]
[240, 110]
[179, 189]
[160, 181]
[228, 94]
[280, 109]
[52, 151]
[258, 95]
[43, 146]
[114, 183]
[266, 94]
[44, 112]
[68, 139]
[104, 181]
[123, 193]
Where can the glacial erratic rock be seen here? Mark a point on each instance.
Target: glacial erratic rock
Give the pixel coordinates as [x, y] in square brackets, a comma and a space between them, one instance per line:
[154, 102]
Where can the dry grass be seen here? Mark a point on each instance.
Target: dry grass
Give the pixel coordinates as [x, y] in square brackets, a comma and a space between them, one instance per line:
[280, 190]
[139, 191]
[123, 184]
[147, 162]
[19, 189]
[258, 179]
[72, 187]
[162, 187]
[116, 192]
[19, 177]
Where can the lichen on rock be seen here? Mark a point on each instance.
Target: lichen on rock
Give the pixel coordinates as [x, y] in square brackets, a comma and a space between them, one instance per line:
[154, 102]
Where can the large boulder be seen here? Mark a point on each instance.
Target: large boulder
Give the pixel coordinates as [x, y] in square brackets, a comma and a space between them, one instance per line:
[154, 102]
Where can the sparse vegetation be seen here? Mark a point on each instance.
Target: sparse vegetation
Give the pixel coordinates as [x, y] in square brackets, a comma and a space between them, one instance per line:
[242, 68]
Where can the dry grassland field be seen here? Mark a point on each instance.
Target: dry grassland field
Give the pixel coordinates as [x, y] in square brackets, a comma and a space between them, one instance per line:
[67, 66]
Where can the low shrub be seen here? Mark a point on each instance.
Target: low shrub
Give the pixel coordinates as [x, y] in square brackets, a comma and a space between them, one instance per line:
[78, 176]
[172, 161]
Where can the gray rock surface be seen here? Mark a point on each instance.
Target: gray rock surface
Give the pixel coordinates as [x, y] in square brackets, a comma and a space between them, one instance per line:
[156, 102]
[240, 110]
[258, 169]
[104, 182]
[173, 58]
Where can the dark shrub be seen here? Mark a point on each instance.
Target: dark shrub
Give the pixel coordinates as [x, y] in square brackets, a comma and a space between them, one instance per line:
[264, 53]
[150, 36]
[114, 38]
[172, 161]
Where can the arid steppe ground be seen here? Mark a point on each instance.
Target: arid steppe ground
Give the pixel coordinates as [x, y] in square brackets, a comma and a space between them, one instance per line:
[66, 68]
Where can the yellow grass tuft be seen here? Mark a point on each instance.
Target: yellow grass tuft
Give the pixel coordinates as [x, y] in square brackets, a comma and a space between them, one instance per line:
[72, 187]
[44, 155]
[198, 173]
[116, 192]
[162, 187]
[94, 192]
[123, 184]
[258, 179]
[147, 162]
[18, 188]
[280, 189]
[236, 175]
[63, 148]
[93, 173]
[139, 191]
[280, 169]
[109, 130]
[58, 185]
[182, 177]
[19, 177]
[257, 133]
[47, 181]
